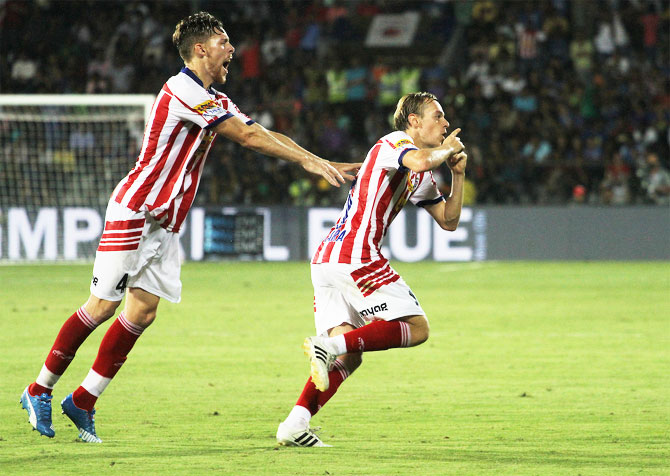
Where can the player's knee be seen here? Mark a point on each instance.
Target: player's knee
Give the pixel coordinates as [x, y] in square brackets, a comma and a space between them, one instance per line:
[352, 361]
[145, 319]
[420, 330]
[100, 309]
[421, 337]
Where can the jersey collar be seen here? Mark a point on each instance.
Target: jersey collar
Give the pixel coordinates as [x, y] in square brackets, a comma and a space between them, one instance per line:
[192, 75]
[195, 78]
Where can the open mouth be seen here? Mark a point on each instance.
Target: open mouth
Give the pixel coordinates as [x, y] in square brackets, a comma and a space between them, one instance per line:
[226, 64]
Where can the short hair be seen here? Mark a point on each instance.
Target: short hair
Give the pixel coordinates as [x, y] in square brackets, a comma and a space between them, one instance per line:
[193, 29]
[412, 103]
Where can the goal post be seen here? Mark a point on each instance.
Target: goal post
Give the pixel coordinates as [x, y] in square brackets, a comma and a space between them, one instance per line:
[60, 158]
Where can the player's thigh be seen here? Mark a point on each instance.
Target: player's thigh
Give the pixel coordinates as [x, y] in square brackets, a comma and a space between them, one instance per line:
[331, 309]
[159, 267]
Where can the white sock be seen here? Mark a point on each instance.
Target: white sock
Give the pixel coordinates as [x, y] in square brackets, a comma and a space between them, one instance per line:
[299, 417]
[47, 378]
[339, 344]
[94, 383]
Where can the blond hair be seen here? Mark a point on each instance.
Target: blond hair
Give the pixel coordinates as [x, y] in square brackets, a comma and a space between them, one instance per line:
[412, 103]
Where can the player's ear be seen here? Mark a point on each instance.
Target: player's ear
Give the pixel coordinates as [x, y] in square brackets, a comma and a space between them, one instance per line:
[413, 120]
[199, 50]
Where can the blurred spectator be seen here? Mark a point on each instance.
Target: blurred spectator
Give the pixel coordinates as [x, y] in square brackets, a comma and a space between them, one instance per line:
[604, 39]
[96, 84]
[250, 57]
[579, 195]
[273, 48]
[650, 22]
[615, 187]
[529, 39]
[556, 30]
[581, 53]
[336, 77]
[24, 73]
[389, 83]
[655, 180]
[409, 79]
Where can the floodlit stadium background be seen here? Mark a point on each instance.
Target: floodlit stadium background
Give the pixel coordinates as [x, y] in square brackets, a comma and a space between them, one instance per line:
[562, 104]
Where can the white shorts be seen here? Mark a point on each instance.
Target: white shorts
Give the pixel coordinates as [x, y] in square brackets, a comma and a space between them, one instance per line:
[134, 251]
[359, 293]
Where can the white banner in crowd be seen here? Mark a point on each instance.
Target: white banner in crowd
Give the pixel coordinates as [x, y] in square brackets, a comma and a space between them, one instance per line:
[392, 30]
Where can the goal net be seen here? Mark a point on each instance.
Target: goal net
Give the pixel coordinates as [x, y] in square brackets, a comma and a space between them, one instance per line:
[61, 158]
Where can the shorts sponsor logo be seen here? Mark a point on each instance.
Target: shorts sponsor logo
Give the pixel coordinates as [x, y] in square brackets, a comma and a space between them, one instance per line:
[95, 281]
[371, 311]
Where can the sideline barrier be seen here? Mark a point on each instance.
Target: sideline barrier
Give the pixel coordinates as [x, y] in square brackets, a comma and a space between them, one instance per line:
[292, 233]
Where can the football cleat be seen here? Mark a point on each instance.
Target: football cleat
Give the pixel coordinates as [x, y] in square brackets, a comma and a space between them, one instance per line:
[39, 412]
[287, 436]
[321, 360]
[82, 419]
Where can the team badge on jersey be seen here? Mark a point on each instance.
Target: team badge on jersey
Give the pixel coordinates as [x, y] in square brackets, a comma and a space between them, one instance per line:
[209, 109]
[413, 181]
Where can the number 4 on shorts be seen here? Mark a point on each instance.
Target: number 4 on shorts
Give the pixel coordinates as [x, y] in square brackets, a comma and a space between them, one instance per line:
[122, 284]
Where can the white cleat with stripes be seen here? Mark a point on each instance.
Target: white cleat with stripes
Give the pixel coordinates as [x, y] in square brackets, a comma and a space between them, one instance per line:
[321, 358]
[287, 436]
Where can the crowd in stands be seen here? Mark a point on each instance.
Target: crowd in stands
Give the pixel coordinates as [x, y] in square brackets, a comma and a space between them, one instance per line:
[559, 101]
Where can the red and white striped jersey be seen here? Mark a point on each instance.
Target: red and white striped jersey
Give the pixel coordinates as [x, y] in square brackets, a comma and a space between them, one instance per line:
[177, 140]
[381, 189]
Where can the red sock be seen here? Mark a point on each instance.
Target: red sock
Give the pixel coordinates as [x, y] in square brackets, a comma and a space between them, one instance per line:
[73, 332]
[114, 348]
[378, 335]
[312, 399]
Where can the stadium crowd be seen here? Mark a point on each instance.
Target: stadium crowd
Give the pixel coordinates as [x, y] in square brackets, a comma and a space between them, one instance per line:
[559, 101]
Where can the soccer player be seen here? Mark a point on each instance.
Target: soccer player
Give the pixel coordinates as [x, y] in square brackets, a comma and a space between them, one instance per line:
[138, 250]
[353, 282]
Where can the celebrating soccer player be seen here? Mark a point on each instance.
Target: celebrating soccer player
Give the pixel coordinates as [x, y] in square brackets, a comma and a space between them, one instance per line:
[138, 249]
[353, 282]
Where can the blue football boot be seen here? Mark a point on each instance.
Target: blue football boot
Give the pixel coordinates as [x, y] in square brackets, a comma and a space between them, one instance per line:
[39, 412]
[82, 419]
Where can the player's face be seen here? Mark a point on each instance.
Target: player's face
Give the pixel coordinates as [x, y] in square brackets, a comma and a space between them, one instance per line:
[433, 125]
[219, 55]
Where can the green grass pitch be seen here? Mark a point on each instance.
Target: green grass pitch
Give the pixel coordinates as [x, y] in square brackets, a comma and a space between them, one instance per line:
[531, 369]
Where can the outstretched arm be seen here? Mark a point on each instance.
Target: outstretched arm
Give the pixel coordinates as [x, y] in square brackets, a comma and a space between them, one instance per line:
[448, 213]
[259, 139]
[342, 167]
